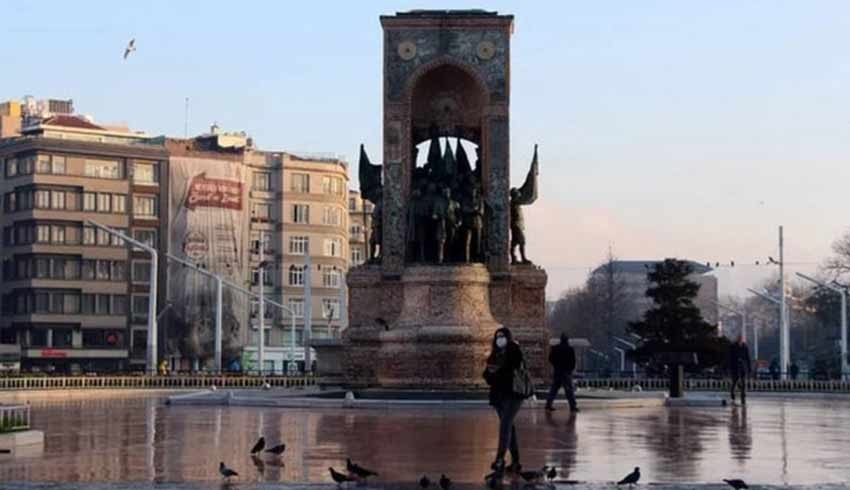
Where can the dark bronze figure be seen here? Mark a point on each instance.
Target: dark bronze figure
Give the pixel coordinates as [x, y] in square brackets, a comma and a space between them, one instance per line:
[523, 196]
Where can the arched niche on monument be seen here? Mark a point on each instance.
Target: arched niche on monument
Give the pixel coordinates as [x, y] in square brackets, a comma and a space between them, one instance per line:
[445, 183]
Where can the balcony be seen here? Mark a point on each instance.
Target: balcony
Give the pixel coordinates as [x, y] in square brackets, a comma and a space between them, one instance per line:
[82, 353]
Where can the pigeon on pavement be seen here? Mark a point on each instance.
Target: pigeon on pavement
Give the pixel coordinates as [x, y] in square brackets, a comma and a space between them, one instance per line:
[225, 471]
[277, 450]
[261, 443]
[737, 483]
[631, 478]
[358, 470]
[339, 478]
[445, 482]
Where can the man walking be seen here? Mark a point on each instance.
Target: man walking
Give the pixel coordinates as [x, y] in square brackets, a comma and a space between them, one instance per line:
[739, 367]
[562, 357]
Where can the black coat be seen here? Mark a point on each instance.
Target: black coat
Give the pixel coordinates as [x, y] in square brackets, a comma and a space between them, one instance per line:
[501, 380]
[739, 360]
[562, 357]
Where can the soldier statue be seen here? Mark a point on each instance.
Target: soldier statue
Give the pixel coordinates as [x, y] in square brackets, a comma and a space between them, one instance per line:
[523, 196]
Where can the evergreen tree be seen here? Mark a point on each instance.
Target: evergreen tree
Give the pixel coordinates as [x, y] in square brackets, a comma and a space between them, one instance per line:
[674, 323]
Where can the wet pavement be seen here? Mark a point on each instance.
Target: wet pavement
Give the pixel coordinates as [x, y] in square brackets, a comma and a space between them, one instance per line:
[773, 441]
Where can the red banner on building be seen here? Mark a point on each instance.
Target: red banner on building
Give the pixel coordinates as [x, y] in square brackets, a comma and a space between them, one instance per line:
[214, 193]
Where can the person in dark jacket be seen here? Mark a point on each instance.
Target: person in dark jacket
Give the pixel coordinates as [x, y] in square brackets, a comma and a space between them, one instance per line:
[739, 367]
[562, 357]
[505, 358]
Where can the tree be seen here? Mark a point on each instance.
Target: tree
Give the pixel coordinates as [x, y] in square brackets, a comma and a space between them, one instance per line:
[838, 266]
[599, 310]
[674, 323]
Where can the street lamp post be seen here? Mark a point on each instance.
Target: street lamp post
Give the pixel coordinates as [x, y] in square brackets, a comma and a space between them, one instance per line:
[843, 293]
[784, 353]
[150, 365]
[220, 283]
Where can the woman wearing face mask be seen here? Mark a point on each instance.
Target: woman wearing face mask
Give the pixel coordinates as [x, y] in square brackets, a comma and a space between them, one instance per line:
[504, 359]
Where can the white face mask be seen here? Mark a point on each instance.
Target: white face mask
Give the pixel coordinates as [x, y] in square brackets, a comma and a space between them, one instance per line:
[501, 342]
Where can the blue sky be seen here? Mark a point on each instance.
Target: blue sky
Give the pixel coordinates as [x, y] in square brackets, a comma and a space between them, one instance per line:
[666, 128]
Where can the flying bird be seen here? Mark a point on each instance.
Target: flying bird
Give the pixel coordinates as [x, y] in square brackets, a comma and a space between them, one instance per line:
[424, 482]
[338, 477]
[358, 470]
[631, 478]
[277, 450]
[226, 472]
[737, 484]
[772, 260]
[261, 443]
[131, 46]
[445, 482]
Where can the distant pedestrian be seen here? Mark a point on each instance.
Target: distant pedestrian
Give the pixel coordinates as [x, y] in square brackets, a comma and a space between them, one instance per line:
[774, 369]
[739, 367]
[795, 370]
[502, 364]
[562, 357]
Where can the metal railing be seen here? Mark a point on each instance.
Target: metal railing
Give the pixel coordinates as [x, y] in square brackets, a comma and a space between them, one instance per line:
[14, 417]
[655, 384]
[150, 382]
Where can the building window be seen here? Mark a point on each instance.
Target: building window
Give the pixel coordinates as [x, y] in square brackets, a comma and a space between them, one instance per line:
[11, 167]
[38, 337]
[300, 183]
[330, 308]
[63, 338]
[330, 277]
[89, 235]
[104, 169]
[140, 308]
[296, 275]
[262, 181]
[145, 206]
[301, 213]
[141, 271]
[356, 230]
[297, 307]
[146, 236]
[145, 173]
[298, 245]
[103, 238]
[104, 203]
[261, 211]
[332, 216]
[42, 164]
[333, 247]
[261, 238]
[103, 271]
[331, 185]
[58, 164]
[42, 199]
[119, 270]
[89, 201]
[119, 203]
[119, 304]
[116, 240]
[268, 278]
[356, 256]
[57, 234]
[352, 204]
[57, 199]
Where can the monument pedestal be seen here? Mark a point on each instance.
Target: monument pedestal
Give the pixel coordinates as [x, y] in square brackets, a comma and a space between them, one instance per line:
[432, 327]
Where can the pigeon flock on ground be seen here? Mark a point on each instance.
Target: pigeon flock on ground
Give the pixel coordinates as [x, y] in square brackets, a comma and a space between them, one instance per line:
[354, 473]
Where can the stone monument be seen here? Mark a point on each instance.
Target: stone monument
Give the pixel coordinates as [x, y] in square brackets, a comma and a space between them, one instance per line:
[440, 279]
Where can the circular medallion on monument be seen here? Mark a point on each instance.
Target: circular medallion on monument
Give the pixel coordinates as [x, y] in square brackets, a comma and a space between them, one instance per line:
[195, 245]
[407, 50]
[486, 50]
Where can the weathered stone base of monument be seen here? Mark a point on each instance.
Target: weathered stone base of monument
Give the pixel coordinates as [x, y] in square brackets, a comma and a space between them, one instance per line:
[432, 327]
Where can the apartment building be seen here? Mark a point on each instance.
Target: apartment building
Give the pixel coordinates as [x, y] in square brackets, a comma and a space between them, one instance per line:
[285, 211]
[75, 298]
[360, 228]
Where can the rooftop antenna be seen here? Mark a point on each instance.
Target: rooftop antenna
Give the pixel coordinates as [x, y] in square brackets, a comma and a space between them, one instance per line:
[186, 120]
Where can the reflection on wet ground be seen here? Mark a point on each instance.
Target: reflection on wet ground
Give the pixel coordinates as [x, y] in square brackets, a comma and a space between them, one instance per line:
[773, 441]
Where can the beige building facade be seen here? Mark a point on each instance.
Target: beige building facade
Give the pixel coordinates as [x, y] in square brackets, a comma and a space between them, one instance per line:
[75, 298]
[360, 228]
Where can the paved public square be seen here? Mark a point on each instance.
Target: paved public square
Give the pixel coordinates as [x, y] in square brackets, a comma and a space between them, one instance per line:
[775, 441]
